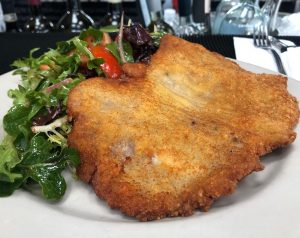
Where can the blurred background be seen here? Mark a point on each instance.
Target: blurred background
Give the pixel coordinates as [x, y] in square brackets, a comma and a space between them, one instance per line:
[137, 10]
[54, 9]
[212, 23]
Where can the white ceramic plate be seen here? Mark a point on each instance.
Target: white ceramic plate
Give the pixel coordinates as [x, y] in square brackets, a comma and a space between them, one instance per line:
[266, 204]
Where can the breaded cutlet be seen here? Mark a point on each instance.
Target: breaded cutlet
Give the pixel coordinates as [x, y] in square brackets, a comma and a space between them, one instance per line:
[180, 137]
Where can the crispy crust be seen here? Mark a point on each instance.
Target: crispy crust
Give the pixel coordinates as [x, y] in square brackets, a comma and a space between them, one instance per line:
[134, 70]
[182, 136]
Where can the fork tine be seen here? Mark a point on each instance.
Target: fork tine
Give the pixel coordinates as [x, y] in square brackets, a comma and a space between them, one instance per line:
[267, 36]
[266, 31]
[261, 36]
[261, 40]
[255, 36]
[258, 36]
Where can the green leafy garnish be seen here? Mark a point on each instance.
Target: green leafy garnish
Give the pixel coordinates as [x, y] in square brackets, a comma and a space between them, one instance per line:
[8, 160]
[34, 151]
[109, 29]
[96, 34]
[113, 48]
[37, 154]
[95, 63]
[156, 36]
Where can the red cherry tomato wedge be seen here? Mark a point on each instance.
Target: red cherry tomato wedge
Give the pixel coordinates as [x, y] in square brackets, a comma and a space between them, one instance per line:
[110, 67]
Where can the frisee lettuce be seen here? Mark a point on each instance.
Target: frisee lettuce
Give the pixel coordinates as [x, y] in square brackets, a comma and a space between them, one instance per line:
[38, 154]
[33, 154]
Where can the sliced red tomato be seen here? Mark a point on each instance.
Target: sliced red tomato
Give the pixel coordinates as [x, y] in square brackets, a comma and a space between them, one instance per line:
[110, 67]
[44, 67]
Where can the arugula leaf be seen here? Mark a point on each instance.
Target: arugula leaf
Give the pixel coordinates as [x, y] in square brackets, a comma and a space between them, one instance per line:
[19, 96]
[22, 140]
[109, 29]
[8, 160]
[40, 157]
[26, 157]
[64, 47]
[81, 46]
[15, 118]
[38, 163]
[39, 151]
[29, 62]
[49, 178]
[114, 49]
[97, 34]
[128, 51]
[95, 64]
[7, 188]
[156, 36]
[45, 167]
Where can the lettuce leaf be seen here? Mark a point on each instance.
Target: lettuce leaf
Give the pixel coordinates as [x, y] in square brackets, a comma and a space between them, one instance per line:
[34, 155]
[8, 160]
[40, 163]
[27, 158]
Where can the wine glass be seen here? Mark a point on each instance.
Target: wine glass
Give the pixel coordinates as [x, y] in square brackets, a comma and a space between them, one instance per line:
[157, 22]
[223, 7]
[270, 10]
[242, 19]
[10, 16]
[37, 23]
[186, 24]
[113, 15]
[75, 19]
[2, 24]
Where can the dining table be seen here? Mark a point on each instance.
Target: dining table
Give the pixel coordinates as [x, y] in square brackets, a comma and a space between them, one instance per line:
[265, 204]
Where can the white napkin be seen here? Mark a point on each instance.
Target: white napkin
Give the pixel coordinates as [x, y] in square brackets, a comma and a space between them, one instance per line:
[245, 51]
[289, 25]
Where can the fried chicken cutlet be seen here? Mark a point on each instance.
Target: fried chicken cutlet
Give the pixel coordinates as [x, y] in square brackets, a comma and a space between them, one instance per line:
[180, 137]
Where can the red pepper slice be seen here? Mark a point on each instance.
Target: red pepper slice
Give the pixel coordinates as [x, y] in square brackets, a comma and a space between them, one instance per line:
[110, 67]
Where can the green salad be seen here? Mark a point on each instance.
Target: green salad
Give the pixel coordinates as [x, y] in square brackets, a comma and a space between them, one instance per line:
[35, 149]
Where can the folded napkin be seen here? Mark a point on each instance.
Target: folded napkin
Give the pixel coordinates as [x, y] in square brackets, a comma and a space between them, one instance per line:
[245, 51]
[289, 25]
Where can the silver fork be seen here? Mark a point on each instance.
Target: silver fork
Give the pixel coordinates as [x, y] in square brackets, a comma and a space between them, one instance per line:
[261, 40]
[278, 44]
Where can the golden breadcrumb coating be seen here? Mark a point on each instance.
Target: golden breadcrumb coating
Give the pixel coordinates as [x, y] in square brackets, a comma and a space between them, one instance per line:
[181, 136]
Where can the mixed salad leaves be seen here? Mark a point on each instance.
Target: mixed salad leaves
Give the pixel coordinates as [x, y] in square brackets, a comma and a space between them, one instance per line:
[35, 150]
